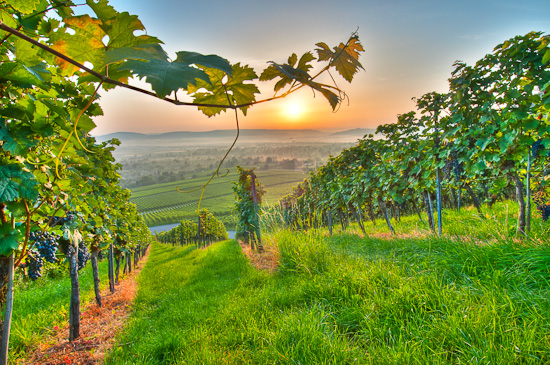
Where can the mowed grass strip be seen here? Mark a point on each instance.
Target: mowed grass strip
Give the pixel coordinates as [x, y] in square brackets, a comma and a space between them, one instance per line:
[343, 299]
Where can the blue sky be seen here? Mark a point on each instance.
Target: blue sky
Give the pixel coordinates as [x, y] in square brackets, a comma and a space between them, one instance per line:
[410, 47]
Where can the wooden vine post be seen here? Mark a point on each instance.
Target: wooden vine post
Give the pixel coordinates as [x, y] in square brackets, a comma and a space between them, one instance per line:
[9, 309]
[111, 267]
[257, 231]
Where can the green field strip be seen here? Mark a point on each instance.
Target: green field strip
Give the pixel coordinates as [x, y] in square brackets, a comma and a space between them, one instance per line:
[208, 198]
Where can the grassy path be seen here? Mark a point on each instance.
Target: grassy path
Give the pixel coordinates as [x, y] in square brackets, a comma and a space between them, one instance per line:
[342, 300]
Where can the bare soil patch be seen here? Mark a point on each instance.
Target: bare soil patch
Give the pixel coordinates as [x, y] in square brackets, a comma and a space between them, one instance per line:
[266, 259]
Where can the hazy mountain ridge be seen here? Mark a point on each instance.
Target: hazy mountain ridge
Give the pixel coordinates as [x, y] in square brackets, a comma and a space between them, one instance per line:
[355, 132]
[280, 134]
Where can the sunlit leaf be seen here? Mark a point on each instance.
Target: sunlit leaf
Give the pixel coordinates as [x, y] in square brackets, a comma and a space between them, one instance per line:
[345, 58]
[238, 91]
[25, 6]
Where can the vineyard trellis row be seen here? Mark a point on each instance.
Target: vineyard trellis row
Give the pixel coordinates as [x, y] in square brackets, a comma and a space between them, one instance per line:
[206, 230]
[488, 137]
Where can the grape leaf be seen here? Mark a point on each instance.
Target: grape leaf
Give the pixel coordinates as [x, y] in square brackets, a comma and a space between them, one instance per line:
[165, 76]
[239, 92]
[16, 183]
[208, 61]
[345, 58]
[63, 8]
[25, 6]
[86, 45]
[37, 75]
[332, 98]
[141, 52]
[8, 19]
[287, 72]
[9, 239]
[121, 28]
[8, 189]
[26, 53]
[102, 9]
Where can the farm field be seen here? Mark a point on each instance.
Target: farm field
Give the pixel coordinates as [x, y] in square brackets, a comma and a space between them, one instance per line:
[163, 204]
[349, 298]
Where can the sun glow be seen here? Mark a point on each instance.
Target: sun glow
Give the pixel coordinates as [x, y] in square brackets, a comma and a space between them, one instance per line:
[293, 109]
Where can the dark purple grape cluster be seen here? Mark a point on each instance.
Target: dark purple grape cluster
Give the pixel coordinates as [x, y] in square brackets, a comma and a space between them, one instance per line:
[46, 244]
[448, 168]
[83, 255]
[34, 265]
[69, 216]
[453, 165]
[540, 199]
[544, 211]
[536, 148]
[458, 169]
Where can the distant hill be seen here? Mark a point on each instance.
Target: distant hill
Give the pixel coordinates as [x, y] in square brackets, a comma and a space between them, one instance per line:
[270, 134]
[122, 136]
[355, 132]
[278, 134]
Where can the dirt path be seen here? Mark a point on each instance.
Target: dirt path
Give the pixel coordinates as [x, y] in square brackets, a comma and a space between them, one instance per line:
[98, 327]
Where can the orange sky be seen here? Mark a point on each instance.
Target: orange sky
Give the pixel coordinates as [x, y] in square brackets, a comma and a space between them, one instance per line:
[410, 48]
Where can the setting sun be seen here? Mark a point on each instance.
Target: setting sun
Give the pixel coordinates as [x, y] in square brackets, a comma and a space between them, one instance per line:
[293, 109]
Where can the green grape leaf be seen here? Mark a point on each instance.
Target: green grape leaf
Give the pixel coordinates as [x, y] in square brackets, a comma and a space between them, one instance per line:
[121, 29]
[16, 183]
[239, 92]
[8, 190]
[63, 8]
[26, 53]
[8, 19]
[25, 6]
[86, 124]
[9, 239]
[165, 76]
[16, 142]
[287, 72]
[36, 75]
[123, 44]
[141, 52]
[102, 9]
[86, 45]
[345, 58]
[16, 208]
[208, 61]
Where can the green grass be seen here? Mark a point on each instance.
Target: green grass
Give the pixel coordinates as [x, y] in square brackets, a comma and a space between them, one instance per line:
[493, 224]
[343, 299]
[163, 204]
[42, 305]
